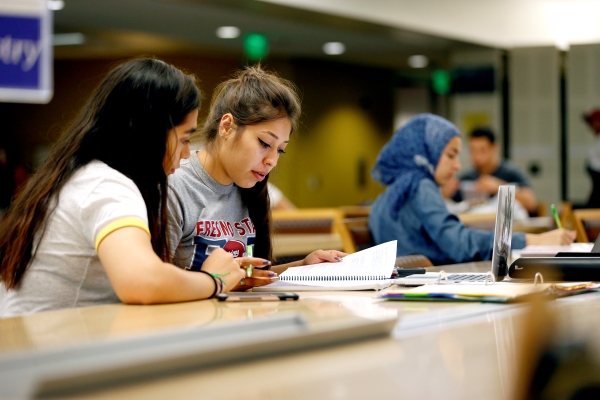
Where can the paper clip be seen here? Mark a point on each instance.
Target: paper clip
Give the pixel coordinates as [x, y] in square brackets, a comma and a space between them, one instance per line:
[442, 275]
[489, 277]
[535, 279]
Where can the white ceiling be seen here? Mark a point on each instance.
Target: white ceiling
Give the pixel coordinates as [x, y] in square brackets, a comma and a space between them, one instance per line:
[495, 23]
[129, 27]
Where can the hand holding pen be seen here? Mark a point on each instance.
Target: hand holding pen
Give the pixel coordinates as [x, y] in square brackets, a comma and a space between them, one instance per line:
[254, 275]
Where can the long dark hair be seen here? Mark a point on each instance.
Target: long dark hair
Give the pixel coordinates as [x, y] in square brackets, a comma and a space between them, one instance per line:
[125, 124]
[253, 96]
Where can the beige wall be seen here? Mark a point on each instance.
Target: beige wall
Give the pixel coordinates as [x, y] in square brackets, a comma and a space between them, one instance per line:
[347, 117]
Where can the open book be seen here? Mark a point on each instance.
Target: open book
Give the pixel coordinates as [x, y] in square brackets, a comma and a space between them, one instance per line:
[368, 269]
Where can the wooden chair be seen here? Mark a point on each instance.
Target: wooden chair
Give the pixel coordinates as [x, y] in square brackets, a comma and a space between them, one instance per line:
[306, 220]
[587, 224]
[355, 211]
[356, 234]
[541, 209]
[297, 233]
[565, 211]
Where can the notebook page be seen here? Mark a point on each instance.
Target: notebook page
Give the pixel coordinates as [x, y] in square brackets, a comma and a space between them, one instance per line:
[370, 264]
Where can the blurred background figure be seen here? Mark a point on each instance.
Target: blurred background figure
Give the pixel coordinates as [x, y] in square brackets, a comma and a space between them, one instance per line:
[489, 171]
[278, 200]
[592, 118]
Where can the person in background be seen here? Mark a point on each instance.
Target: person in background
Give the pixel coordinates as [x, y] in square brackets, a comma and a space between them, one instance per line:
[219, 198]
[491, 171]
[421, 157]
[475, 205]
[278, 201]
[592, 118]
[90, 226]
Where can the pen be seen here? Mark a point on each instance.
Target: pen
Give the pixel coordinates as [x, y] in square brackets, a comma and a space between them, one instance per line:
[555, 215]
[249, 253]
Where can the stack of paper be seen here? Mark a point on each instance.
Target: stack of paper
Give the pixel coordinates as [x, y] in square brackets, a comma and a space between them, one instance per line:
[500, 292]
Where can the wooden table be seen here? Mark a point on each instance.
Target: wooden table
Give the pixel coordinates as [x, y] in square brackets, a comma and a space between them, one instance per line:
[437, 350]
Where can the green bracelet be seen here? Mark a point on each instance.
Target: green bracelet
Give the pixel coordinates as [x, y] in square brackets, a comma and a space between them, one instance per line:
[218, 276]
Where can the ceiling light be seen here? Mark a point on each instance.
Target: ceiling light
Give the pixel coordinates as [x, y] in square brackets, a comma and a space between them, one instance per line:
[228, 32]
[562, 44]
[55, 5]
[418, 61]
[67, 39]
[334, 48]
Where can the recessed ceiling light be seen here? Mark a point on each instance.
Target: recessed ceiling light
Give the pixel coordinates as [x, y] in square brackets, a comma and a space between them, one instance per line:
[334, 48]
[418, 61]
[67, 39]
[55, 5]
[228, 32]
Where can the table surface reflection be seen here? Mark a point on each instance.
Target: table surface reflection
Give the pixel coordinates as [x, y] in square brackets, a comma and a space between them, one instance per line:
[449, 350]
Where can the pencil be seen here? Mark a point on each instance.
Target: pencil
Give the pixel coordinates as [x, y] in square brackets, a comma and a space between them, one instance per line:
[555, 215]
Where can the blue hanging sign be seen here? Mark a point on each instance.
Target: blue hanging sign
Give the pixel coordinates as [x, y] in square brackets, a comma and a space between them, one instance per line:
[25, 51]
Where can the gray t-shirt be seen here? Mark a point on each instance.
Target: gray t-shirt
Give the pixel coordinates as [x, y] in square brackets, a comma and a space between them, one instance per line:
[66, 271]
[204, 215]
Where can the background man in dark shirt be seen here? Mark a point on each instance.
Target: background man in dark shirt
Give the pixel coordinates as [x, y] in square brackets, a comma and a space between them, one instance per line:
[490, 171]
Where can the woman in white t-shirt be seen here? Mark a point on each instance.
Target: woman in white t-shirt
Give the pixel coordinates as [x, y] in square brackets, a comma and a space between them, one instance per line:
[89, 228]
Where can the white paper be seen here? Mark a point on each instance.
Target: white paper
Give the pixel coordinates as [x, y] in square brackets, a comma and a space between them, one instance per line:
[373, 263]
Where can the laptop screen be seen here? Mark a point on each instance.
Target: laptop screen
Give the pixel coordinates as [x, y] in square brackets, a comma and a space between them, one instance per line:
[503, 230]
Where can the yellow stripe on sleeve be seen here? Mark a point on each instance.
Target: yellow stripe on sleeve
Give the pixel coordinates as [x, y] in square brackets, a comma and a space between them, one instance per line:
[120, 223]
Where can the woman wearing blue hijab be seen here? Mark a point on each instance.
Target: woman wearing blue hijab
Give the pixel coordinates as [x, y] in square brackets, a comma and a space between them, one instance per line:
[421, 157]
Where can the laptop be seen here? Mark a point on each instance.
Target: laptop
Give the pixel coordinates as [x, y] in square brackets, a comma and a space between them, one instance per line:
[500, 253]
[564, 266]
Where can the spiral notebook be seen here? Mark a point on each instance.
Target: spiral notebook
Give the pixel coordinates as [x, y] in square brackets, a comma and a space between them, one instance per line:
[369, 269]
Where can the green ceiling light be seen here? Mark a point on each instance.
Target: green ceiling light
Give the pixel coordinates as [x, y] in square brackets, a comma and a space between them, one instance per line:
[440, 81]
[256, 46]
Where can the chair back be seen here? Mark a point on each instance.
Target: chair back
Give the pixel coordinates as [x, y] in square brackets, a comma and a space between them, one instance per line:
[357, 235]
[587, 224]
[305, 220]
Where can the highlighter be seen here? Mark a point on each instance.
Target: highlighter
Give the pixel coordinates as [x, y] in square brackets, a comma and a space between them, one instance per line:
[249, 253]
[555, 215]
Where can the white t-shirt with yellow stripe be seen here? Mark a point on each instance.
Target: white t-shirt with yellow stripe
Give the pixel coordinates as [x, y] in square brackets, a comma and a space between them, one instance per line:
[66, 271]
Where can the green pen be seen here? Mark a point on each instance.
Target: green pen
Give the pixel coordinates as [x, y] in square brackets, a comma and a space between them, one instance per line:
[555, 215]
[249, 253]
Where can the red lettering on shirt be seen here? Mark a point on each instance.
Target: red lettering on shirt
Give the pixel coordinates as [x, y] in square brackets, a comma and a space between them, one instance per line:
[240, 228]
[226, 228]
[249, 225]
[199, 228]
[220, 228]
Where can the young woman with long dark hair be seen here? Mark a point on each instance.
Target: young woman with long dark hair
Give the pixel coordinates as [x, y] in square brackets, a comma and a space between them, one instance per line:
[90, 227]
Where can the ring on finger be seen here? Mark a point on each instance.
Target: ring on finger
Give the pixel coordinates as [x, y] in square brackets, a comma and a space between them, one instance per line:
[243, 281]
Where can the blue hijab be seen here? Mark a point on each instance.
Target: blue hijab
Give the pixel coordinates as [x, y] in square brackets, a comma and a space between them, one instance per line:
[412, 155]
